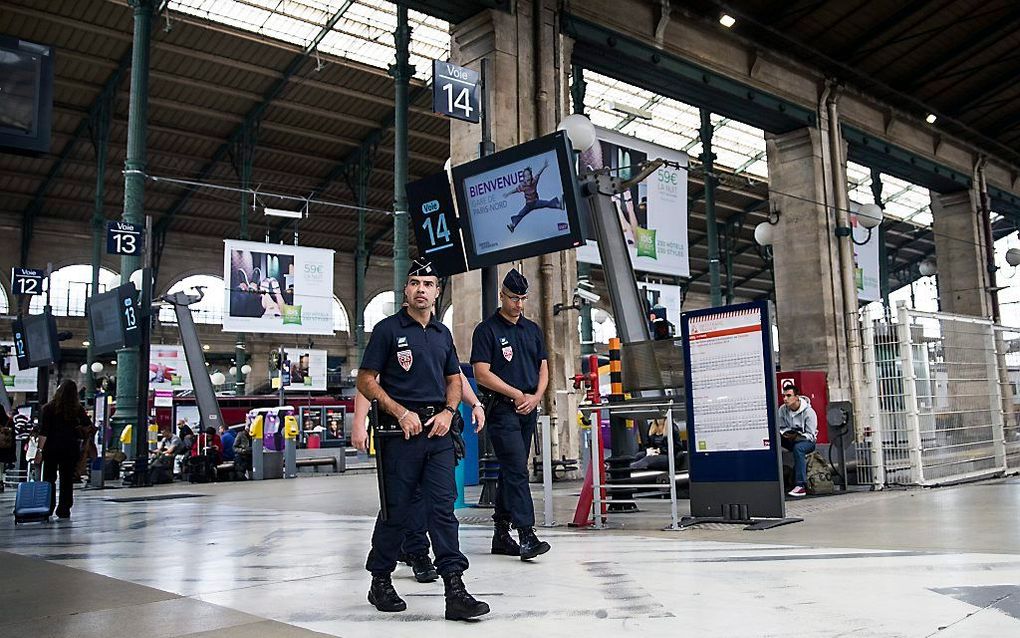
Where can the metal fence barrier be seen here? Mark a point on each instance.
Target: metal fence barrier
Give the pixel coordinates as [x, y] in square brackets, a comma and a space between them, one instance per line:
[941, 406]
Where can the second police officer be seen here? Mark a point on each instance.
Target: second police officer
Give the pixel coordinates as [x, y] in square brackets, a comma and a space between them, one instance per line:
[418, 387]
[509, 359]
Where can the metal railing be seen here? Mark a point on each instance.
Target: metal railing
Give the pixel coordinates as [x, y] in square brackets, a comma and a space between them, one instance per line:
[666, 409]
[937, 409]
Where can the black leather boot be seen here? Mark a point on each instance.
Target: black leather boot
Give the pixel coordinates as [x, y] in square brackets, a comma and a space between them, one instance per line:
[502, 542]
[530, 545]
[383, 596]
[424, 570]
[460, 605]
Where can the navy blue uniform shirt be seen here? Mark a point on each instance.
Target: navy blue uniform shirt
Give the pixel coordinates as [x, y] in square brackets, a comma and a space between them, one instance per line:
[412, 361]
[514, 351]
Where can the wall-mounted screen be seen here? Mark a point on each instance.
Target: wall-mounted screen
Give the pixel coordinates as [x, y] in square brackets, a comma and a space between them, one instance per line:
[519, 203]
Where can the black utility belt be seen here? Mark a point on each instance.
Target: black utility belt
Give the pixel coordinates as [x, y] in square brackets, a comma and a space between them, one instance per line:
[388, 424]
[493, 398]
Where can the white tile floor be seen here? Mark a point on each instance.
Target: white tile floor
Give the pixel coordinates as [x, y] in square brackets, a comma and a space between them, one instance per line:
[253, 549]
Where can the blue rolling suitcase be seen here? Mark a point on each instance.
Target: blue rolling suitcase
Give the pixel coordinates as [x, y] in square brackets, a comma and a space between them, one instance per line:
[32, 502]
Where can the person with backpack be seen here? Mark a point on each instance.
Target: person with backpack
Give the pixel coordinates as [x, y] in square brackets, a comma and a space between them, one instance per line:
[798, 427]
[62, 424]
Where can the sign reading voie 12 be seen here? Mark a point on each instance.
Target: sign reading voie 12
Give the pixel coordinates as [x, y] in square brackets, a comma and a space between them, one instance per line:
[455, 91]
[27, 281]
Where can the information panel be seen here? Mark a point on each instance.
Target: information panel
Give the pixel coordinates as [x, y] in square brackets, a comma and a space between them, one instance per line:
[728, 381]
[435, 224]
[735, 456]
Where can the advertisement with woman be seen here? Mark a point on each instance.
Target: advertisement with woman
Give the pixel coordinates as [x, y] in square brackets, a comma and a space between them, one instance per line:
[653, 213]
[277, 288]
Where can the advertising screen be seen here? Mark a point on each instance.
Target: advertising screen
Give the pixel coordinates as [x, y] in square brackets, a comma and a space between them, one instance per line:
[277, 289]
[519, 203]
[333, 434]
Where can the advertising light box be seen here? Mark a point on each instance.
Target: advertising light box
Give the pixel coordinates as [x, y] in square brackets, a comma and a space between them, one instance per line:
[519, 203]
[276, 288]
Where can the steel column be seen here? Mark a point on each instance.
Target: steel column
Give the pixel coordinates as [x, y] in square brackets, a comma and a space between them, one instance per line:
[883, 252]
[712, 231]
[128, 410]
[401, 71]
[244, 160]
[99, 129]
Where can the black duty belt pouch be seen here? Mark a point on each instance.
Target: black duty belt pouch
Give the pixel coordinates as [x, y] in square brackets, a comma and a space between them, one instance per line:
[457, 435]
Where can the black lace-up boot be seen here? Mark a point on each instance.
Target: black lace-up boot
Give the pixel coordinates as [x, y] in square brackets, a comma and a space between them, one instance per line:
[460, 605]
[530, 545]
[384, 596]
[502, 542]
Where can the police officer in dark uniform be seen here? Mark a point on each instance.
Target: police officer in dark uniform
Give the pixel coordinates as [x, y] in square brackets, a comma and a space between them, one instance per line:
[418, 387]
[509, 358]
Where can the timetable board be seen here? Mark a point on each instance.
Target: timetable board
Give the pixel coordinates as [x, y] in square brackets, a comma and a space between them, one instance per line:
[735, 455]
[728, 381]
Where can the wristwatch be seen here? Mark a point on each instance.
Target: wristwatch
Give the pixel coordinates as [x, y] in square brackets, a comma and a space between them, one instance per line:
[478, 404]
[450, 410]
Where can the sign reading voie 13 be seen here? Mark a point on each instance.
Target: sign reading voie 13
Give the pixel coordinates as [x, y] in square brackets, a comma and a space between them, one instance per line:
[436, 228]
[455, 91]
[123, 238]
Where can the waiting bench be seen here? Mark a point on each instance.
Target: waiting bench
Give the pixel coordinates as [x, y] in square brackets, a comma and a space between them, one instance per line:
[315, 462]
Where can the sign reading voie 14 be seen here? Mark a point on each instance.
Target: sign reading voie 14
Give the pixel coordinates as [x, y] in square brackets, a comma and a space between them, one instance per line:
[123, 238]
[455, 91]
[435, 224]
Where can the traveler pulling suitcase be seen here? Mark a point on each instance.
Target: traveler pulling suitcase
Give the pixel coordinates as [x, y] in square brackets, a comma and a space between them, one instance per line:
[32, 502]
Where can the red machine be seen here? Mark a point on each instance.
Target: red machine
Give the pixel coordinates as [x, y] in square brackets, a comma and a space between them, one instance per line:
[814, 385]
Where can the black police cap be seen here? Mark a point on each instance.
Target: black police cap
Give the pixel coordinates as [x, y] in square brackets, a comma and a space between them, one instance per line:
[515, 282]
[421, 268]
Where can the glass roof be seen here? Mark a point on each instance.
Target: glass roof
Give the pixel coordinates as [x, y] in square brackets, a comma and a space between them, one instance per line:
[737, 146]
[364, 33]
[674, 124]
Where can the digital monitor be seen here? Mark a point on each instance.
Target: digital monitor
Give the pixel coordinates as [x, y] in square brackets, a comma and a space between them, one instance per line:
[114, 319]
[26, 95]
[519, 203]
[35, 340]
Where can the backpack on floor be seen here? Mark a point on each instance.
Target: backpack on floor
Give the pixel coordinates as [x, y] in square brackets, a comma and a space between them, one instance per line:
[819, 475]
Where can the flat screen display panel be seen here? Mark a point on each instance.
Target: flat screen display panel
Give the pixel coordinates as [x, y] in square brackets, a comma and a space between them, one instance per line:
[26, 95]
[104, 318]
[519, 203]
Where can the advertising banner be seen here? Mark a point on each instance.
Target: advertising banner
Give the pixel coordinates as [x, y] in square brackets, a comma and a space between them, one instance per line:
[277, 289]
[307, 370]
[867, 267]
[168, 369]
[15, 379]
[653, 214]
